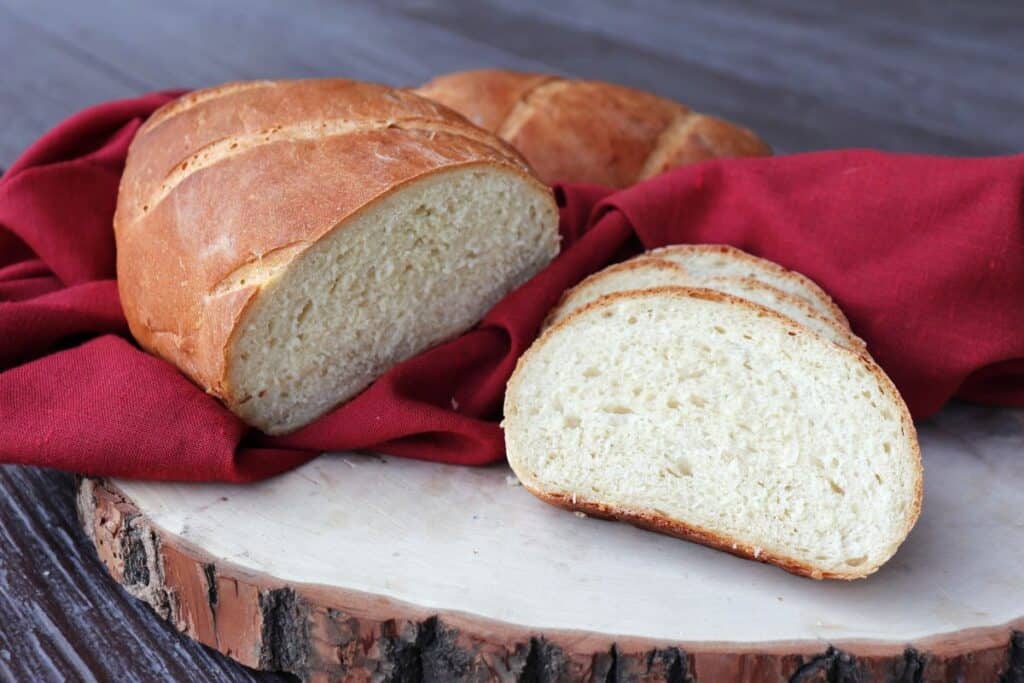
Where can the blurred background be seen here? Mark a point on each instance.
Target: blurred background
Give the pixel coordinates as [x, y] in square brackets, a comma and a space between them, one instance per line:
[938, 77]
[935, 76]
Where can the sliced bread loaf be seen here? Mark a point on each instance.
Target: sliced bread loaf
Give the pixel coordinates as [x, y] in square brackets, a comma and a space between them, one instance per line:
[644, 272]
[705, 416]
[711, 260]
[285, 242]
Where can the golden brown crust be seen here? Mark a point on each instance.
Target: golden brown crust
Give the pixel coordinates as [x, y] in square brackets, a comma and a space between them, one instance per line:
[484, 96]
[654, 521]
[698, 137]
[295, 160]
[589, 131]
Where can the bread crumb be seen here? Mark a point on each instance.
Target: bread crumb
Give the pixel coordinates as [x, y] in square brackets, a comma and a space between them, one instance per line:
[510, 480]
[574, 498]
[455, 404]
[581, 515]
[757, 553]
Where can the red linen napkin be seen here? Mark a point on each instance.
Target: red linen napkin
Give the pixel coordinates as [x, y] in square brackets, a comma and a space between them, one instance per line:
[924, 254]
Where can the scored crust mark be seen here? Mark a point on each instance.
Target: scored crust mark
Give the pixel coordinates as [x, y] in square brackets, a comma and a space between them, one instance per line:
[227, 148]
[186, 102]
[259, 269]
[664, 148]
[699, 138]
[484, 96]
[527, 103]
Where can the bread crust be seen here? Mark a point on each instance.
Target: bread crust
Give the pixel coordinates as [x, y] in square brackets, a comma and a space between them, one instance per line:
[646, 260]
[485, 97]
[590, 131]
[641, 261]
[315, 154]
[654, 521]
[696, 138]
[805, 282]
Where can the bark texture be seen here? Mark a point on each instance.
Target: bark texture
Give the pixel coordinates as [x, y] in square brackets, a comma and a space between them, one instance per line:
[322, 633]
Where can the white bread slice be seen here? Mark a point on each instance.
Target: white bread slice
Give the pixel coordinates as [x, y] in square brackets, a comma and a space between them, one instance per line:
[709, 260]
[704, 416]
[639, 272]
[644, 272]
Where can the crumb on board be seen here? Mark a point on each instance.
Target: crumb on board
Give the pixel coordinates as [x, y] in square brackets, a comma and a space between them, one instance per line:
[455, 404]
[581, 515]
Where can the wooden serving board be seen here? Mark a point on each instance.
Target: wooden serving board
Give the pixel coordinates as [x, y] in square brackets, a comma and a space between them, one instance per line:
[358, 566]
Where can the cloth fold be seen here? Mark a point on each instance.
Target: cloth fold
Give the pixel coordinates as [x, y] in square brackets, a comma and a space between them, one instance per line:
[924, 254]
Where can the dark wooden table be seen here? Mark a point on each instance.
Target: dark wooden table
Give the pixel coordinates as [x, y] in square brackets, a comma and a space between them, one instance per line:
[935, 76]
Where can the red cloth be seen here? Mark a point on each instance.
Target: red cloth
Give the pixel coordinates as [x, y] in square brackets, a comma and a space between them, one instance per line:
[925, 254]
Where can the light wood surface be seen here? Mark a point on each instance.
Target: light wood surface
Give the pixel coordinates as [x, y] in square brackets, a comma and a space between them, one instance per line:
[360, 534]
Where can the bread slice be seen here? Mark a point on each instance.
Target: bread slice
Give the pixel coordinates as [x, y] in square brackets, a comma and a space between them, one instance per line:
[285, 242]
[709, 260]
[639, 272]
[644, 272]
[704, 416]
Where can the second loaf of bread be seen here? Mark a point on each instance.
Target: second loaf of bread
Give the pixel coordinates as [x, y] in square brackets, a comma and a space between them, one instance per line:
[589, 131]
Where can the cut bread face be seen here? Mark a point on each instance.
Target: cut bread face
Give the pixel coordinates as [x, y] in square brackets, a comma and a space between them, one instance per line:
[705, 416]
[645, 272]
[408, 271]
[711, 260]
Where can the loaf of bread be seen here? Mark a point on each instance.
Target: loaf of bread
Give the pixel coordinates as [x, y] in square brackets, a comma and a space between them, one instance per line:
[589, 131]
[702, 415]
[284, 243]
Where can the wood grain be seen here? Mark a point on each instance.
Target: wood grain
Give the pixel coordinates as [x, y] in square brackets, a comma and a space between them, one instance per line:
[61, 618]
[912, 76]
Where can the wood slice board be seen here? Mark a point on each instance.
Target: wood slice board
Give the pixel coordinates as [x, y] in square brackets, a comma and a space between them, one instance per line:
[360, 566]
